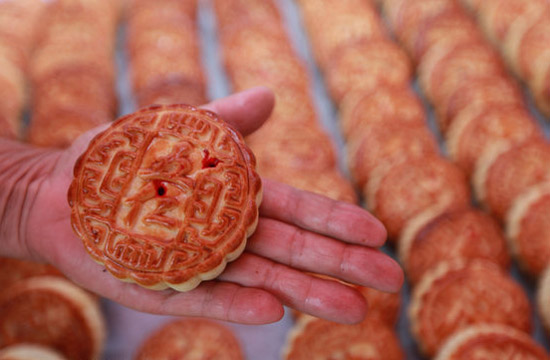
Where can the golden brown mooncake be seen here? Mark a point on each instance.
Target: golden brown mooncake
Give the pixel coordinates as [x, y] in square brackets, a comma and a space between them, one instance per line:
[395, 196]
[528, 229]
[444, 68]
[438, 235]
[460, 293]
[72, 71]
[163, 48]
[192, 338]
[150, 67]
[299, 148]
[490, 92]
[533, 49]
[233, 15]
[161, 8]
[15, 270]
[59, 125]
[478, 129]
[505, 171]
[29, 352]
[19, 22]
[534, 60]
[164, 35]
[314, 338]
[409, 16]
[63, 89]
[365, 65]
[451, 27]
[172, 91]
[285, 70]
[361, 109]
[52, 312]
[491, 341]
[166, 197]
[497, 17]
[257, 41]
[387, 144]
[327, 182]
[334, 25]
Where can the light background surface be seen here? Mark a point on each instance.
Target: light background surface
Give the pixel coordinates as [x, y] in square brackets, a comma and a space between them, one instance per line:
[128, 328]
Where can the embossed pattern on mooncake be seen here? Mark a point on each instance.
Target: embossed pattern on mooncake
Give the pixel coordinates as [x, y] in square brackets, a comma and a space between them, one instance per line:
[165, 197]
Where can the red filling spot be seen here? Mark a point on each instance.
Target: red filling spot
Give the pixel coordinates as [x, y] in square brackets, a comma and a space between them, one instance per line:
[208, 162]
[160, 187]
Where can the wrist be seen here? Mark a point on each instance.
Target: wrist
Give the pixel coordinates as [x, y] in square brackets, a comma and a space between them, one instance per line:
[23, 168]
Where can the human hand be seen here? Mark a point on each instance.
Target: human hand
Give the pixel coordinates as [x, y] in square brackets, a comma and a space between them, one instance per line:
[298, 232]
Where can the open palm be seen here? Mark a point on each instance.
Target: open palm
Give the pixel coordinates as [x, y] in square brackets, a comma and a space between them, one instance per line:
[298, 232]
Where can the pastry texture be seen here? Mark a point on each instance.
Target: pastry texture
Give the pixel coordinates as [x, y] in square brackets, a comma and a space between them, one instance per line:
[164, 52]
[192, 338]
[387, 144]
[361, 109]
[483, 341]
[14, 270]
[29, 352]
[366, 65]
[491, 92]
[165, 197]
[506, 170]
[460, 293]
[314, 338]
[55, 313]
[476, 130]
[408, 188]
[437, 236]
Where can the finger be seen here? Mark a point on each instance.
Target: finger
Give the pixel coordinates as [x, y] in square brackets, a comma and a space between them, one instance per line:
[343, 221]
[326, 299]
[246, 110]
[213, 299]
[230, 302]
[312, 252]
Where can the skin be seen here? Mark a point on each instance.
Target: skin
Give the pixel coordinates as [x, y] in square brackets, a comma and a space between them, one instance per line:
[298, 232]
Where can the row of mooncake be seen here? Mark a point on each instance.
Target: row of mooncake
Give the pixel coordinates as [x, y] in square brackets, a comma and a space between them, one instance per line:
[164, 52]
[423, 259]
[457, 59]
[447, 296]
[321, 337]
[46, 316]
[18, 21]
[492, 137]
[292, 147]
[507, 170]
[521, 31]
[75, 46]
[43, 315]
